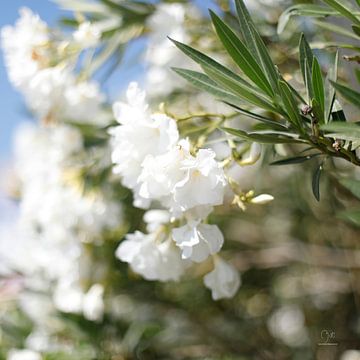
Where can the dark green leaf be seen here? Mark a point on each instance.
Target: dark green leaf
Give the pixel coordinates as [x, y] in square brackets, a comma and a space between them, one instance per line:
[241, 55]
[239, 90]
[256, 45]
[318, 87]
[294, 160]
[343, 10]
[290, 105]
[303, 10]
[329, 89]
[203, 82]
[344, 130]
[204, 60]
[316, 182]
[305, 54]
[260, 138]
[349, 94]
[357, 74]
[259, 117]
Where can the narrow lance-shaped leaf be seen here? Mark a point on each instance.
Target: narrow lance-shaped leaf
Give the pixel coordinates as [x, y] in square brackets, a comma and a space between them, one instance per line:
[316, 182]
[303, 10]
[294, 160]
[290, 105]
[243, 92]
[241, 55]
[344, 130]
[305, 55]
[203, 82]
[318, 88]
[329, 89]
[245, 23]
[255, 44]
[349, 94]
[261, 138]
[345, 11]
[308, 81]
[208, 63]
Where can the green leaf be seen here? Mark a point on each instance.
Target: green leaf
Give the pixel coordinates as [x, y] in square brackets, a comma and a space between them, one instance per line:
[260, 138]
[240, 54]
[259, 117]
[290, 105]
[357, 74]
[203, 82]
[352, 216]
[336, 29]
[306, 59]
[303, 10]
[349, 94]
[256, 45]
[329, 89]
[239, 90]
[352, 185]
[343, 130]
[245, 23]
[209, 64]
[343, 10]
[318, 87]
[294, 160]
[316, 182]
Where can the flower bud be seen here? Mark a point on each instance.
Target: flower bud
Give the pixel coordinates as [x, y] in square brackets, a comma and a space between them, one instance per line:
[262, 199]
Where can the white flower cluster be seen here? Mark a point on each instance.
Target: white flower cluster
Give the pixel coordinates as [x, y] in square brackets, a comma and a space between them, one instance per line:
[160, 168]
[56, 215]
[55, 211]
[33, 57]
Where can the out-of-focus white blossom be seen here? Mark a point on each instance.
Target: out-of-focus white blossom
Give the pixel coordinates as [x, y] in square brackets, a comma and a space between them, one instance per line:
[223, 281]
[151, 259]
[198, 241]
[23, 354]
[25, 47]
[87, 35]
[350, 355]
[167, 21]
[93, 303]
[288, 325]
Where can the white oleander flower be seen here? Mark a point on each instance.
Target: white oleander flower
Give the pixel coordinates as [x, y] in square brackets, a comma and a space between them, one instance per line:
[93, 303]
[161, 173]
[223, 281]
[24, 46]
[155, 218]
[203, 184]
[140, 135]
[87, 35]
[23, 354]
[197, 241]
[152, 260]
[68, 297]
